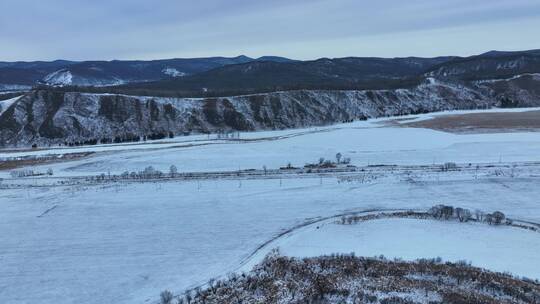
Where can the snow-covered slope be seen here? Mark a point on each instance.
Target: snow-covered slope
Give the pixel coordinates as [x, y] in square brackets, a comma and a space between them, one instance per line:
[59, 78]
[173, 72]
[5, 104]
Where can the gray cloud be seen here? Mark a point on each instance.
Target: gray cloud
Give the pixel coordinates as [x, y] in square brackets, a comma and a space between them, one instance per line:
[76, 29]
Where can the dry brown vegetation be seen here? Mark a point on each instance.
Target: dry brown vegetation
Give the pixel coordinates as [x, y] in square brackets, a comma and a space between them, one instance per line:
[10, 164]
[481, 122]
[350, 279]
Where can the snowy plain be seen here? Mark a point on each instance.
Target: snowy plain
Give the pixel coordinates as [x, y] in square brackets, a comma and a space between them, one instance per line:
[498, 248]
[365, 142]
[126, 242]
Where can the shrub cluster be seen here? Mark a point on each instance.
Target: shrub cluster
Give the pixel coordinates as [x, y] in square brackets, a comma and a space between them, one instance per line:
[441, 212]
[350, 279]
[29, 173]
[328, 163]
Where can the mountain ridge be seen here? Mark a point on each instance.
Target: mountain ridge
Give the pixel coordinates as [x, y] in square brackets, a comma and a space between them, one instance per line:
[49, 117]
[201, 74]
[112, 72]
[265, 95]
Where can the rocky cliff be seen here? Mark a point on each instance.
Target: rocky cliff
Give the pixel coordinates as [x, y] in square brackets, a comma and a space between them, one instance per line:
[46, 117]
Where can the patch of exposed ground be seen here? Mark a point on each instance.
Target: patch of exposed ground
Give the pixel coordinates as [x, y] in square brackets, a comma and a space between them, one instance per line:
[15, 163]
[481, 122]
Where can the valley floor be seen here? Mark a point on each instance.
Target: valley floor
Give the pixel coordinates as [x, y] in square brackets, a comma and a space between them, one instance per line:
[67, 238]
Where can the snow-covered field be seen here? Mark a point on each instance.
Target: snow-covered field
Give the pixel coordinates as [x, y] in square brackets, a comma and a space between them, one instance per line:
[366, 143]
[126, 242]
[497, 248]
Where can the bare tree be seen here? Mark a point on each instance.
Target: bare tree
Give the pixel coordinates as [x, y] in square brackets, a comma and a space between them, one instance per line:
[448, 212]
[464, 215]
[440, 211]
[489, 218]
[173, 170]
[166, 297]
[449, 166]
[479, 215]
[436, 211]
[498, 217]
[338, 157]
[187, 296]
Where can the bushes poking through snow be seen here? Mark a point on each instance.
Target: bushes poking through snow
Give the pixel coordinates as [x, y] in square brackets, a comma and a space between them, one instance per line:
[124, 138]
[166, 297]
[449, 166]
[328, 163]
[354, 219]
[350, 279]
[172, 172]
[495, 218]
[465, 215]
[29, 173]
[148, 173]
[440, 212]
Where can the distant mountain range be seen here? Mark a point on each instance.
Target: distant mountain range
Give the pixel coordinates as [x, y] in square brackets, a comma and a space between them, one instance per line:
[352, 73]
[17, 75]
[267, 76]
[221, 76]
[155, 98]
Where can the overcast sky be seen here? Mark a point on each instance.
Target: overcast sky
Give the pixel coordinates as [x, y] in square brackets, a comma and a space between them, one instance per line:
[300, 29]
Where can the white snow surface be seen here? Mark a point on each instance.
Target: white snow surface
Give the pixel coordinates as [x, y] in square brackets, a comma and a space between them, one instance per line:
[536, 76]
[59, 78]
[126, 242]
[498, 248]
[366, 143]
[5, 104]
[173, 72]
